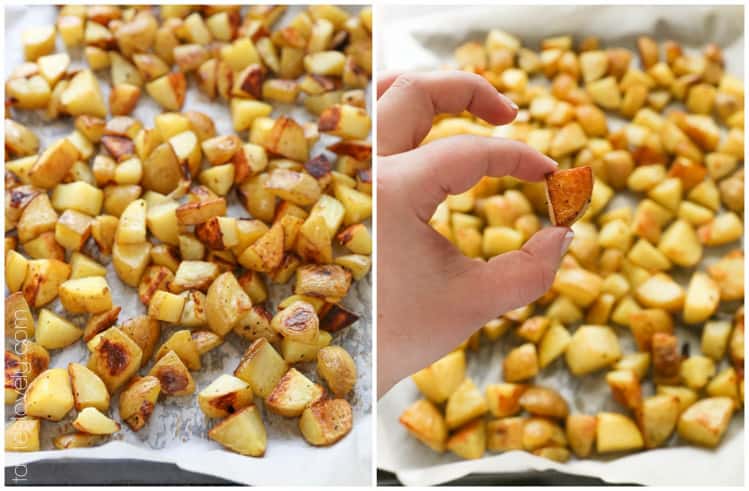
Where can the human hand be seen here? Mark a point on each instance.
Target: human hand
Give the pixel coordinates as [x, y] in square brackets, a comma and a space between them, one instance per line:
[431, 297]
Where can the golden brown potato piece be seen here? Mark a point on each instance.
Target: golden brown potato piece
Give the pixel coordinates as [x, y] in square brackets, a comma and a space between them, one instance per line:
[50, 395]
[465, 404]
[469, 442]
[505, 434]
[242, 432]
[326, 422]
[115, 357]
[224, 396]
[705, 421]
[617, 433]
[569, 193]
[425, 422]
[138, 400]
[440, 379]
[542, 401]
[22, 435]
[581, 433]
[657, 419]
[292, 394]
[173, 375]
[337, 368]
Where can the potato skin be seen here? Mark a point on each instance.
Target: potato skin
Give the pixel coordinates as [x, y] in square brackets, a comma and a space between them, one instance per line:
[337, 368]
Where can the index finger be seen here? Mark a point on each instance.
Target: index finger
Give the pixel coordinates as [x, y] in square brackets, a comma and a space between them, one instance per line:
[453, 165]
[406, 110]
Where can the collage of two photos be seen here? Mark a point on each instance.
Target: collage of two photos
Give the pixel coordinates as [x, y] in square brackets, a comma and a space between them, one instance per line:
[374, 245]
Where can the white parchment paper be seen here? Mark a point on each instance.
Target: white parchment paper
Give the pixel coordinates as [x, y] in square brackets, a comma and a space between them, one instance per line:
[422, 37]
[177, 430]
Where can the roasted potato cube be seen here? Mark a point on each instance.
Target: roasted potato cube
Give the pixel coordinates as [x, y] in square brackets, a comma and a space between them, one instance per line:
[91, 294]
[100, 322]
[50, 395]
[115, 357]
[725, 384]
[145, 331]
[262, 367]
[182, 344]
[337, 368]
[292, 394]
[592, 348]
[540, 432]
[224, 396]
[38, 41]
[728, 273]
[425, 422]
[54, 332]
[504, 399]
[130, 261]
[22, 435]
[83, 96]
[43, 278]
[625, 388]
[715, 336]
[505, 434]
[297, 187]
[242, 432]
[345, 121]
[705, 421]
[226, 302]
[90, 420]
[76, 440]
[657, 418]
[666, 358]
[469, 442]
[53, 164]
[464, 404]
[169, 90]
[617, 433]
[165, 306]
[581, 433]
[541, 401]
[440, 379]
[173, 375]
[330, 282]
[138, 400]
[520, 364]
[88, 389]
[660, 291]
[19, 322]
[553, 344]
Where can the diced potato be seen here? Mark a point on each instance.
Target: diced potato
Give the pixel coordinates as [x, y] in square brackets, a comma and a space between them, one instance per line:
[504, 399]
[705, 421]
[54, 332]
[617, 433]
[224, 396]
[22, 435]
[592, 348]
[581, 433]
[658, 418]
[50, 395]
[91, 420]
[115, 357]
[715, 336]
[262, 367]
[173, 375]
[660, 291]
[88, 389]
[425, 422]
[137, 401]
[702, 298]
[545, 402]
[464, 404]
[520, 364]
[440, 379]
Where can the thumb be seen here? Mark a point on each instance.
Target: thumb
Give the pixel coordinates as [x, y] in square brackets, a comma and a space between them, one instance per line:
[517, 278]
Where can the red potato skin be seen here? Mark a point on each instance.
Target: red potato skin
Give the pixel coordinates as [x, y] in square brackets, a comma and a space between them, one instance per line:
[568, 194]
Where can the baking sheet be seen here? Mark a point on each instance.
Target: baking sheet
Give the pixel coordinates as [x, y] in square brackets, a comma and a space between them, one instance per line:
[423, 37]
[177, 430]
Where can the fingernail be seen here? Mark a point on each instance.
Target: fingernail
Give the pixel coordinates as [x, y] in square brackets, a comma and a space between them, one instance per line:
[568, 236]
[513, 105]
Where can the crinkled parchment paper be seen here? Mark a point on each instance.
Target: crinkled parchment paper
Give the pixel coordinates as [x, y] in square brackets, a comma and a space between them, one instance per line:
[177, 430]
[424, 38]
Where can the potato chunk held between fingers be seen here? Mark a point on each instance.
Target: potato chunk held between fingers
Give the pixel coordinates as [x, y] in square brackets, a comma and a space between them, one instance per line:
[568, 193]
